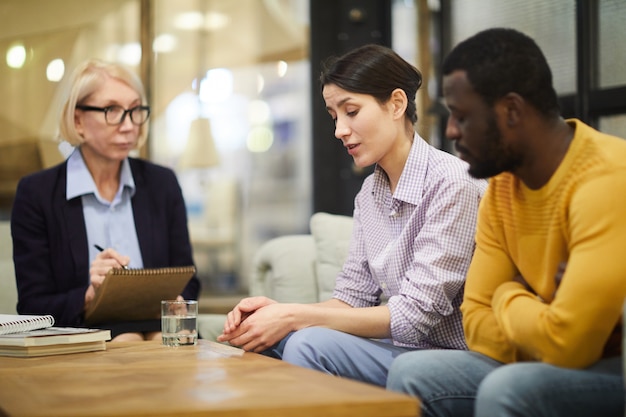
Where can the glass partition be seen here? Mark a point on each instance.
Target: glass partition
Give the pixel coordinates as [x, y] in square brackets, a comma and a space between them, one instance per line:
[237, 69]
[240, 70]
[611, 54]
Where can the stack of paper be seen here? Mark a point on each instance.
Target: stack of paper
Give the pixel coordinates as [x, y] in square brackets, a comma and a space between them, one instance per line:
[27, 336]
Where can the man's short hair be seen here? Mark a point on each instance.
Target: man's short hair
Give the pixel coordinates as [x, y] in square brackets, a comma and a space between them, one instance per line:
[500, 61]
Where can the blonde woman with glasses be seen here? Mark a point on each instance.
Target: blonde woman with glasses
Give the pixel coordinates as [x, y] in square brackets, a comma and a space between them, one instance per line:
[100, 209]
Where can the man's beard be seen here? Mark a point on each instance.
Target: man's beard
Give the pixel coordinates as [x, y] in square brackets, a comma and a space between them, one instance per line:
[494, 157]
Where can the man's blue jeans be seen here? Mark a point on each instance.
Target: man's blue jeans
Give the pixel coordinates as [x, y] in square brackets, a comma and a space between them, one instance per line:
[338, 353]
[461, 383]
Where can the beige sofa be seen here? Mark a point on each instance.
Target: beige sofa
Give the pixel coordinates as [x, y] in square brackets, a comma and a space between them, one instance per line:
[295, 268]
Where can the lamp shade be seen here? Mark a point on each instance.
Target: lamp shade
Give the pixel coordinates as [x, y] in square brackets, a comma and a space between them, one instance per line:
[200, 151]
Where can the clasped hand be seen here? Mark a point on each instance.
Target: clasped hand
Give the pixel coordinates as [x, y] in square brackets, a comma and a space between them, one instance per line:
[255, 324]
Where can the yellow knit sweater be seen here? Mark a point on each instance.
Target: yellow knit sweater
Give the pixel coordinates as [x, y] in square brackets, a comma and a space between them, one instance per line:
[578, 217]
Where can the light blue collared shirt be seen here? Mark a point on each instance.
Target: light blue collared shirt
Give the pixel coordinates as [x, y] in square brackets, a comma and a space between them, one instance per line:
[108, 224]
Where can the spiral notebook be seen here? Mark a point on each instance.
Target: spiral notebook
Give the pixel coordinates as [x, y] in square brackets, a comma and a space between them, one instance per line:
[19, 323]
[136, 294]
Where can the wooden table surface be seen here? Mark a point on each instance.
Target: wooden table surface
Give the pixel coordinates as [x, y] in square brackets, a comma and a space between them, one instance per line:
[148, 379]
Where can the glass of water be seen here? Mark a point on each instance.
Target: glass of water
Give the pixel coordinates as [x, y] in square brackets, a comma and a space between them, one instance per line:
[178, 322]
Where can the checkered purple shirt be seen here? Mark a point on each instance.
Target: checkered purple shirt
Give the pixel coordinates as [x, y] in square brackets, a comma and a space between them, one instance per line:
[413, 248]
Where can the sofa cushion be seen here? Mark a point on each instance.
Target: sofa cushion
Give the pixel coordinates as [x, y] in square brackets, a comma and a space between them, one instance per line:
[332, 234]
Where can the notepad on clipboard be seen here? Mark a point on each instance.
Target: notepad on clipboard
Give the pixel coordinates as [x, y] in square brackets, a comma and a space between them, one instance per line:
[136, 294]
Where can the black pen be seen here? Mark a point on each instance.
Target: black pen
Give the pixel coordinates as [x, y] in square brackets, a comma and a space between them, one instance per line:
[100, 248]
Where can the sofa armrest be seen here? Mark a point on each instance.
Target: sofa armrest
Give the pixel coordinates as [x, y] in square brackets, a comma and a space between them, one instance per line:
[8, 287]
[210, 325]
[284, 270]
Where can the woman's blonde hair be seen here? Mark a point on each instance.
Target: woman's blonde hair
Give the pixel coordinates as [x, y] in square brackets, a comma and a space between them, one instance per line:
[86, 79]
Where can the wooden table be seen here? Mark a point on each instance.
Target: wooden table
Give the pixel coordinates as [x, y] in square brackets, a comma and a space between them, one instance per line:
[148, 379]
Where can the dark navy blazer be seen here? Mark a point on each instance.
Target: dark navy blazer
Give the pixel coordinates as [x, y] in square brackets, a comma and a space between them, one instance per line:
[50, 248]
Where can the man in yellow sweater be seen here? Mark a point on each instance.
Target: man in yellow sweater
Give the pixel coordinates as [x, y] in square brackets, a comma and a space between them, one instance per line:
[546, 286]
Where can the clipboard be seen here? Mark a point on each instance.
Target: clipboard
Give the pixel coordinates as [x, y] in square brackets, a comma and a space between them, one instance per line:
[136, 294]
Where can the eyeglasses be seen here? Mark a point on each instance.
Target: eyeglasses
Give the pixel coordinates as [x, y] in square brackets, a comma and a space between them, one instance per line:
[115, 115]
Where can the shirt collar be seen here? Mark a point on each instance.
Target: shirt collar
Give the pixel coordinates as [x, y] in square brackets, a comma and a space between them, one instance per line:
[79, 179]
[411, 181]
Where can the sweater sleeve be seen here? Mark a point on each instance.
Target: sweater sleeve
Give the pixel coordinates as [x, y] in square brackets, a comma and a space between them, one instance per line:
[490, 267]
[573, 329]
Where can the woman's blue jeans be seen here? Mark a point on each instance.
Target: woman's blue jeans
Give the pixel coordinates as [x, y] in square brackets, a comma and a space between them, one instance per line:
[338, 353]
[461, 383]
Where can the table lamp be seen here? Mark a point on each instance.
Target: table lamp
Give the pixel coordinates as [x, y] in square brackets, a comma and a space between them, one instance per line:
[200, 151]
